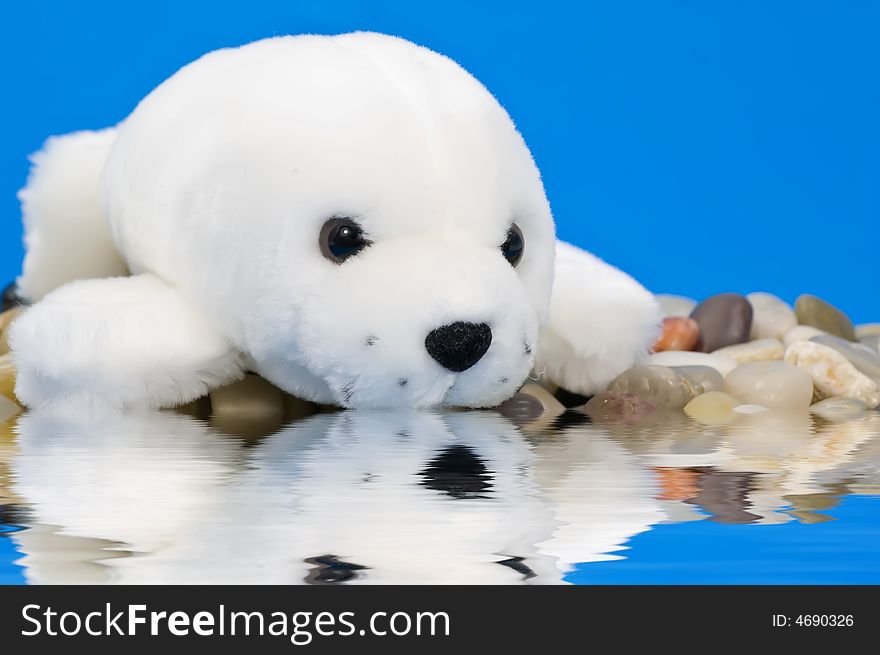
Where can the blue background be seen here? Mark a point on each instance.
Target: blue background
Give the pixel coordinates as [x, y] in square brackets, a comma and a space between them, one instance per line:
[703, 146]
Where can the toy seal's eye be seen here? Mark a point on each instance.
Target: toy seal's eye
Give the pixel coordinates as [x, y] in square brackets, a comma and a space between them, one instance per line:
[513, 247]
[341, 238]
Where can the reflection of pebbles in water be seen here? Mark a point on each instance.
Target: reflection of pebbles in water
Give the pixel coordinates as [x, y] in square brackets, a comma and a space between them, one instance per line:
[600, 494]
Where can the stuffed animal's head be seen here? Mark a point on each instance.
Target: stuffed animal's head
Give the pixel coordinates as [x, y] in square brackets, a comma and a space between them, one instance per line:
[357, 213]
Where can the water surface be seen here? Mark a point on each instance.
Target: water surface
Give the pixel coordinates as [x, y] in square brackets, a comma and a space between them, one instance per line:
[460, 497]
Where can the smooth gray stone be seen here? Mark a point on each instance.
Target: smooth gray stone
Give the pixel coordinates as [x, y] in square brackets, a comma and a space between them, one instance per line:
[615, 407]
[818, 313]
[659, 386]
[839, 409]
[872, 341]
[724, 319]
[703, 378]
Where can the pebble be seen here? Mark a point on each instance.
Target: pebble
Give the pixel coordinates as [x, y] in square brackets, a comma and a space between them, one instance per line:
[614, 407]
[676, 358]
[702, 378]
[750, 409]
[659, 386]
[800, 333]
[529, 404]
[839, 409]
[753, 351]
[832, 373]
[297, 408]
[872, 341]
[817, 313]
[7, 376]
[677, 483]
[678, 333]
[723, 319]
[772, 317]
[773, 384]
[859, 355]
[6, 319]
[8, 409]
[672, 305]
[711, 408]
[251, 408]
[867, 330]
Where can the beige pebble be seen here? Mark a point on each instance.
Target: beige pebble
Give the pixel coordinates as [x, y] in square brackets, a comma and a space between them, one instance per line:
[7, 376]
[297, 408]
[672, 305]
[8, 409]
[676, 358]
[867, 330]
[862, 356]
[701, 378]
[772, 384]
[872, 341]
[839, 409]
[832, 373]
[711, 408]
[549, 403]
[250, 408]
[772, 317]
[800, 333]
[6, 319]
[753, 351]
[750, 409]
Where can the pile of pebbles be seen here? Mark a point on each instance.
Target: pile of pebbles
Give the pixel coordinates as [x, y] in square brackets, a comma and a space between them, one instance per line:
[732, 355]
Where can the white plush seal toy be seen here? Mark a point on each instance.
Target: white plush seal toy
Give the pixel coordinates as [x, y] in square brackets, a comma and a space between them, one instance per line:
[354, 218]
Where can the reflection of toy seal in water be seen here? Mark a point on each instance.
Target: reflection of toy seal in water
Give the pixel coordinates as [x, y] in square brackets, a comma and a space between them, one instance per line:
[362, 497]
[355, 218]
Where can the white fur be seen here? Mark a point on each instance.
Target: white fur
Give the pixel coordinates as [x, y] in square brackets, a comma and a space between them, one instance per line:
[149, 345]
[161, 498]
[601, 323]
[219, 183]
[65, 228]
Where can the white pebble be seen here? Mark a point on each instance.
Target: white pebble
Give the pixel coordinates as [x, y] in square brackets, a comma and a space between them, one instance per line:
[832, 373]
[672, 305]
[723, 365]
[801, 333]
[750, 409]
[772, 317]
[839, 409]
[773, 384]
[753, 351]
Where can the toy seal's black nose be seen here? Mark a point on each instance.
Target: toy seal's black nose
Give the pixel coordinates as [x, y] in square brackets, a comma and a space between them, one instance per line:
[458, 346]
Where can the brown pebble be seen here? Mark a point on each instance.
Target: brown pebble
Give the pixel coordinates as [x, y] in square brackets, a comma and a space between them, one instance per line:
[678, 333]
[250, 408]
[724, 320]
[6, 319]
[531, 403]
[7, 377]
[613, 407]
[677, 483]
[818, 313]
